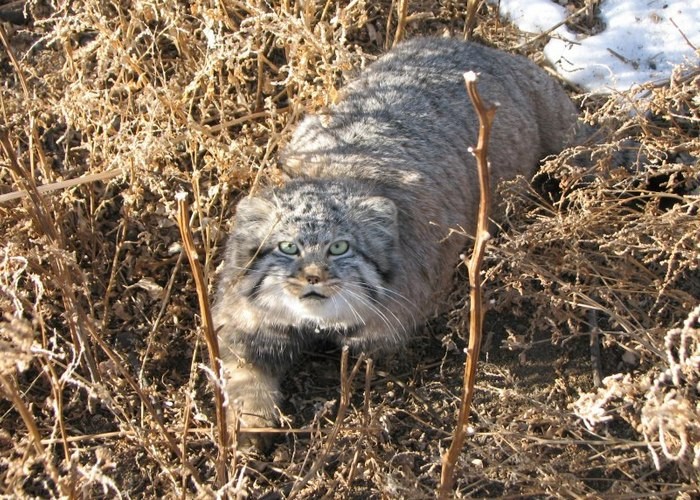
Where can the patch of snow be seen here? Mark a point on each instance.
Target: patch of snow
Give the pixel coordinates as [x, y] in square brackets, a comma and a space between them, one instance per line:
[643, 40]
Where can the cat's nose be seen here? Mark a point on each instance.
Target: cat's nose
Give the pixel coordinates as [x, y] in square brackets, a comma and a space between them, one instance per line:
[314, 274]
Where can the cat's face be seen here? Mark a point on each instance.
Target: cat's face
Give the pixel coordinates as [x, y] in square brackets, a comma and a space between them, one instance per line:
[315, 253]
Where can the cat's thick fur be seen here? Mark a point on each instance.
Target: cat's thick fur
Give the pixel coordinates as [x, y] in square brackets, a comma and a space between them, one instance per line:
[357, 247]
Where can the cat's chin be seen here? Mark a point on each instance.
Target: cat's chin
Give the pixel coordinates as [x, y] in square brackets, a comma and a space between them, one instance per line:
[315, 308]
[319, 309]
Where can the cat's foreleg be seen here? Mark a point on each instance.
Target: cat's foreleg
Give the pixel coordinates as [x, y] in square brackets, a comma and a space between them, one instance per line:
[253, 398]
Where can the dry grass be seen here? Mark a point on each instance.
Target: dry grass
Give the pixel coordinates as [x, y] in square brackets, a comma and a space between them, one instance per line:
[104, 376]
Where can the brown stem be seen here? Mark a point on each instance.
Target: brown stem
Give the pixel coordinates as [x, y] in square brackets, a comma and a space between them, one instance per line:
[11, 392]
[470, 23]
[77, 319]
[476, 313]
[209, 336]
[62, 184]
[401, 23]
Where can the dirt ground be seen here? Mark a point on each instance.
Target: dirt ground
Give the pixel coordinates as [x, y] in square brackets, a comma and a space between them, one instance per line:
[589, 380]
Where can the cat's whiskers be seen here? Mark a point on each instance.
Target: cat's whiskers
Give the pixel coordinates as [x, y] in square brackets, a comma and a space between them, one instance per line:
[274, 289]
[364, 287]
[339, 295]
[356, 292]
[374, 306]
[394, 297]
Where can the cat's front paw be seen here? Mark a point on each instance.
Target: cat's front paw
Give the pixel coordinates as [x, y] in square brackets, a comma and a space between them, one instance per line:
[254, 433]
[253, 396]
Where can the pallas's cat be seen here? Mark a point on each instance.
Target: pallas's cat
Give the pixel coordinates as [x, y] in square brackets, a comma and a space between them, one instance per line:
[356, 247]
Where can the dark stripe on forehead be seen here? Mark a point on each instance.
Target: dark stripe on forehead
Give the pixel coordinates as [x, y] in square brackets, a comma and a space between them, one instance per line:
[322, 216]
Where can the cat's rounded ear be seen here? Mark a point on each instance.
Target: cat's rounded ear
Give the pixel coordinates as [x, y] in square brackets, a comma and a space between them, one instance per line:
[378, 208]
[254, 220]
[254, 210]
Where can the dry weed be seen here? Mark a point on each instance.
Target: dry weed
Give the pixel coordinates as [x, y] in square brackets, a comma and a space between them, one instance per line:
[104, 375]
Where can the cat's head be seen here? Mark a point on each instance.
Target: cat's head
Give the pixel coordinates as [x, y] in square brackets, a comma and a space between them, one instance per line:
[315, 253]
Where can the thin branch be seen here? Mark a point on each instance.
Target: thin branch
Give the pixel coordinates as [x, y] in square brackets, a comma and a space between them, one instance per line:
[13, 395]
[45, 188]
[470, 22]
[79, 322]
[476, 313]
[549, 31]
[209, 335]
[596, 360]
[401, 23]
[122, 368]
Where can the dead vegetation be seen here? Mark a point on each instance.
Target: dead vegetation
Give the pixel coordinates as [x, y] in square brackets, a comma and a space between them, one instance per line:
[104, 378]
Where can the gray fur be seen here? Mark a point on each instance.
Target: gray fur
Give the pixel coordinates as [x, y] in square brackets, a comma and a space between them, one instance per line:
[388, 170]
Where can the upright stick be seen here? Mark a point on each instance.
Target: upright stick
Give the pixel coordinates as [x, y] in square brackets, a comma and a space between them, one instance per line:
[209, 335]
[476, 313]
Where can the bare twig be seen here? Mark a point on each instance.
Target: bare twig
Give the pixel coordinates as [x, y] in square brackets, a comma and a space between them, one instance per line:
[45, 188]
[389, 17]
[366, 420]
[687, 40]
[187, 417]
[209, 334]
[546, 33]
[261, 79]
[15, 63]
[369, 372]
[634, 64]
[476, 313]
[470, 23]
[57, 390]
[121, 367]
[401, 22]
[596, 363]
[165, 300]
[34, 140]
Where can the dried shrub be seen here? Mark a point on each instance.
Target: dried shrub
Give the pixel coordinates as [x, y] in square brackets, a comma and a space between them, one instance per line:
[608, 245]
[99, 332]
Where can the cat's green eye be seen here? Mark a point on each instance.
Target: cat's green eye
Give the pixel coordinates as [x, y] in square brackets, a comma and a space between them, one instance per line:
[339, 247]
[288, 247]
